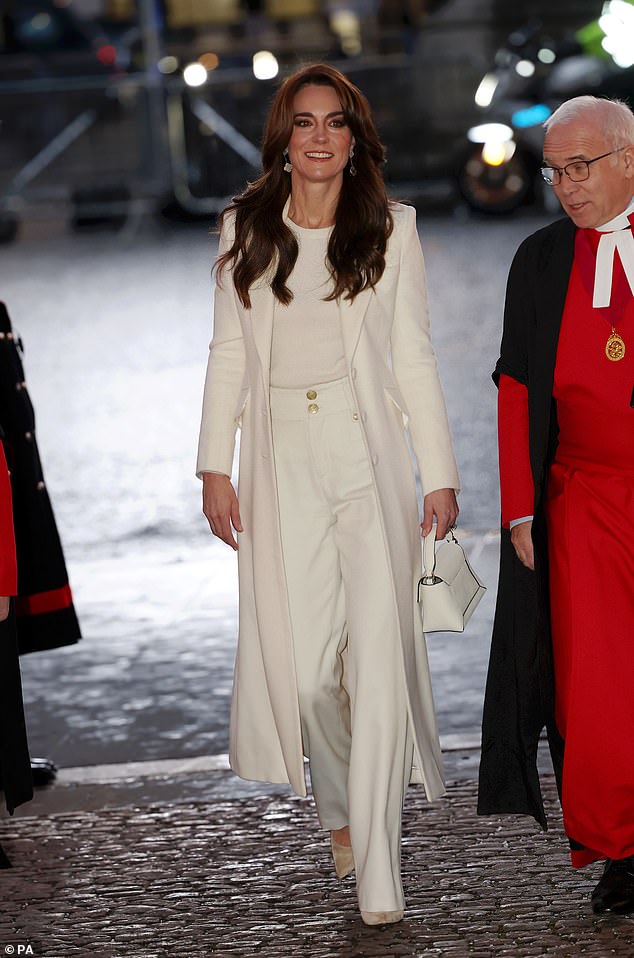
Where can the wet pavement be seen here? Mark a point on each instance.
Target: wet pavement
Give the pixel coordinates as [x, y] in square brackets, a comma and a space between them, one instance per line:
[253, 877]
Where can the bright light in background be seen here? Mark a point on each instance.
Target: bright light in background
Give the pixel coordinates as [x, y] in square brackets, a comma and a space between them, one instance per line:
[531, 116]
[210, 61]
[546, 55]
[195, 74]
[495, 153]
[617, 22]
[265, 66]
[525, 68]
[486, 89]
[347, 26]
[490, 133]
[498, 144]
[168, 65]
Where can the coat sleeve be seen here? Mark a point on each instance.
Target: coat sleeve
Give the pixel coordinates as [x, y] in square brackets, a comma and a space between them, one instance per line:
[512, 375]
[225, 374]
[8, 566]
[415, 368]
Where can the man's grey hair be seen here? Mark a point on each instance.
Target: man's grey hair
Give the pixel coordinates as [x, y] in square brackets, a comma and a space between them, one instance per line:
[613, 117]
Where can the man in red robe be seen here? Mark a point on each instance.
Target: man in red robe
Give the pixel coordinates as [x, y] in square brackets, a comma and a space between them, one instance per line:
[563, 646]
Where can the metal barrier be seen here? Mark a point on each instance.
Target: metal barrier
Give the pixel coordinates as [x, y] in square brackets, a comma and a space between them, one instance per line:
[125, 145]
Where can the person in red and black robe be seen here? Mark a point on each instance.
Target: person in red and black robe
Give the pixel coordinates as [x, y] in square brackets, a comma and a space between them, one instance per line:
[44, 605]
[44, 611]
[15, 769]
[562, 654]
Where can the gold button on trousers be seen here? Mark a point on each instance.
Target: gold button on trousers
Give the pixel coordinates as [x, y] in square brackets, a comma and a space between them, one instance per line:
[347, 650]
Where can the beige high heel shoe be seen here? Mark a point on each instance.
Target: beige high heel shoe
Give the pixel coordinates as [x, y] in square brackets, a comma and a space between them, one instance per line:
[342, 857]
[381, 917]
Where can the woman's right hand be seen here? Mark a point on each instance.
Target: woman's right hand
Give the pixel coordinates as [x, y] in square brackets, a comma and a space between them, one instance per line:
[220, 506]
[4, 607]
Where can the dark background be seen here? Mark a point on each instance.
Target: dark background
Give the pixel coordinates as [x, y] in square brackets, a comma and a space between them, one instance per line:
[97, 123]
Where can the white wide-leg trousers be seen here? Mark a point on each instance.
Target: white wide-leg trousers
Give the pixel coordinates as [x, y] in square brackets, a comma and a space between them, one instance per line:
[347, 649]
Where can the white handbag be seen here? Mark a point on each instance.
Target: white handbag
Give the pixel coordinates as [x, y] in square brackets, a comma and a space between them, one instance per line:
[449, 590]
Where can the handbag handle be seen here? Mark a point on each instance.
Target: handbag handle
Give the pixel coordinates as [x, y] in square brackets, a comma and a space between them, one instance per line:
[429, 557]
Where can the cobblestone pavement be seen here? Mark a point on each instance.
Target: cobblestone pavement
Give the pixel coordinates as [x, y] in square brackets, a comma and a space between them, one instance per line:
[253, 877]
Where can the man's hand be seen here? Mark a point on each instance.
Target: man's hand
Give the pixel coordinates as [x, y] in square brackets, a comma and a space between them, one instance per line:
[442, 504]
[4, 607]
[523, 543]
[220, 506]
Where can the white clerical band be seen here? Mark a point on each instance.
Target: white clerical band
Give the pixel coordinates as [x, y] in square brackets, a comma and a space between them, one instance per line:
[623, 241]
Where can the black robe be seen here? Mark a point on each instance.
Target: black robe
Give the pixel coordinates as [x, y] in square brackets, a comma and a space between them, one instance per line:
[15, 765]
[519, 698]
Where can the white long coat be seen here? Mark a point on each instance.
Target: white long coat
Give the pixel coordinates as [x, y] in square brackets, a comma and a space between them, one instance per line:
[393, 373]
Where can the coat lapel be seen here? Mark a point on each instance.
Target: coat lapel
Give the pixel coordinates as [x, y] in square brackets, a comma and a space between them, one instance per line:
[352, 315]
[261, 313]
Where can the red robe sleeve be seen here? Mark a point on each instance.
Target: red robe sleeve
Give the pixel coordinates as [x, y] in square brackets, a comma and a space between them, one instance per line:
[8, 566]
[517, 491]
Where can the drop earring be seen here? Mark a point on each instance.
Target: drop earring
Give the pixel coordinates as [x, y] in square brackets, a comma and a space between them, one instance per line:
[353, 169]
[288, 166]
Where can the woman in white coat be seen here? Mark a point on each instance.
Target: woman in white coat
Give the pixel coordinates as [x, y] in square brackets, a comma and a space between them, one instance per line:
[321, 354]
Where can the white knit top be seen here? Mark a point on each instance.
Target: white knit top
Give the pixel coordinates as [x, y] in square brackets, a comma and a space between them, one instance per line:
[307, 346]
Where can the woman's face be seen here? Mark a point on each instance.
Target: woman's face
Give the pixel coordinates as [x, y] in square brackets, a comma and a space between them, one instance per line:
[319, 147]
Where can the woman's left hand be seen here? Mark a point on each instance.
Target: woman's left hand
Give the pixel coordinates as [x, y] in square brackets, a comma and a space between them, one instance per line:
[443, 505]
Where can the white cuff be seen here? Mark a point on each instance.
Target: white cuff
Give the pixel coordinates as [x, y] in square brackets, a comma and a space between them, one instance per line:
[213, 472]
[517, 522]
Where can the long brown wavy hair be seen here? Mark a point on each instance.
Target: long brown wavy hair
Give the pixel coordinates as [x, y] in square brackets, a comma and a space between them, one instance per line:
[363, 222]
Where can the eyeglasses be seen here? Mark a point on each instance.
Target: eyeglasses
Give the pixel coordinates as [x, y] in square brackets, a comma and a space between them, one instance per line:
[577, 171]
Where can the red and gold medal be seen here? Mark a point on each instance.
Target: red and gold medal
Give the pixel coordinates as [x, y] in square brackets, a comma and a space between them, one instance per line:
[615, 347]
